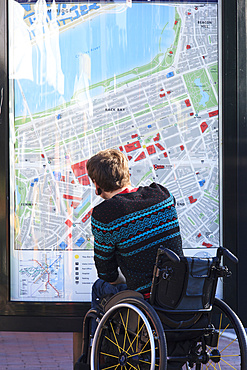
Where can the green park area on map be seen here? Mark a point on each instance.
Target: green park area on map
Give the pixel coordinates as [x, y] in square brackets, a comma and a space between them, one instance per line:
[198, 84]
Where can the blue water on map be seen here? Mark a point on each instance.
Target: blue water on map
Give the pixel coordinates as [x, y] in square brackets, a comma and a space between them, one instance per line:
[115, 43]
[56, 273]
[205, 96]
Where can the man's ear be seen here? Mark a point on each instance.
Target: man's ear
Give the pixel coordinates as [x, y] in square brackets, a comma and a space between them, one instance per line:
[99, 191]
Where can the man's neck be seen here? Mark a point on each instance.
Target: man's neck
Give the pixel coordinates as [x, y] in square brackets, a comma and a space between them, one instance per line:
[109, 194]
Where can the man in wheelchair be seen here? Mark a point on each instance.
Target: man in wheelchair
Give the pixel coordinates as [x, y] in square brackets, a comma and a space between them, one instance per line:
[155, 308]
[128, 226]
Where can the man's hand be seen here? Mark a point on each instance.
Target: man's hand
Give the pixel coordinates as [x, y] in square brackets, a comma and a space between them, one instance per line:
[121, 278]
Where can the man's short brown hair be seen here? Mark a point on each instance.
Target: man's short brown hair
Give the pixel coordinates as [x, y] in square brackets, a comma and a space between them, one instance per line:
[109, 169]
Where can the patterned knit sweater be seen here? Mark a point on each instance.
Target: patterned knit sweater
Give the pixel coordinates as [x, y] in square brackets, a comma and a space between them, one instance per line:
[129, 228]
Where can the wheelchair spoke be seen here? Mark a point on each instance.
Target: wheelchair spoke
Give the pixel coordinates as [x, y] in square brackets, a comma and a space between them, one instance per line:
[148, 350]
[225, 356]
[107, 354]
[210, 363]
[114, 344]
[147, 362]
[110, 367]
[131, 366]
[219, 330]
[228, 345]
[113, 331]
[144, 346]
[125, 330]
[136, 336]
[227, 363]
[138, 324]
[224, 330]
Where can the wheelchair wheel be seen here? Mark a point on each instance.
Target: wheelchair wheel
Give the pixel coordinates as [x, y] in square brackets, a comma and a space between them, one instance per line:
[226, 348]
[129, 336]
[231, 349]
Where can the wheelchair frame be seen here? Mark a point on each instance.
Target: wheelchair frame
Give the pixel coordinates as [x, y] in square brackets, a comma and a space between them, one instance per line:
[134, 334]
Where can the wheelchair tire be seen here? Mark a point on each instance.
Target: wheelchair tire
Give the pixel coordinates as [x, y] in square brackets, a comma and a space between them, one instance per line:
[129, 336]
[229, 350]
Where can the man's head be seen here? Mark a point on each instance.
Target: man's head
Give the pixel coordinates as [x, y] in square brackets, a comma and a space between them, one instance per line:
[109, 170]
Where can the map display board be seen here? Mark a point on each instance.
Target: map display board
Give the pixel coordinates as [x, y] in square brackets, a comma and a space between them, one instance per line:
[85, 76]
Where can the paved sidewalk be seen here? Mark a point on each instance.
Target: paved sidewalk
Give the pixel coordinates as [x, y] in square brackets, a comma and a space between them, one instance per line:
[46, 351]
[34, 351]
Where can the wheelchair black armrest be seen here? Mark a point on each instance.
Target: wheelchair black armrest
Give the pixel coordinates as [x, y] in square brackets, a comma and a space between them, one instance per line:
[169, 254]
[225, 252]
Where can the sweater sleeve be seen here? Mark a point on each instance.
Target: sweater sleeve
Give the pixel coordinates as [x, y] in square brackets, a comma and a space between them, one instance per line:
[104, 251]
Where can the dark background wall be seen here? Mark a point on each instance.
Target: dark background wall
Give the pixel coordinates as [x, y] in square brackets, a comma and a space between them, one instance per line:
[235, 150]
[242, 157]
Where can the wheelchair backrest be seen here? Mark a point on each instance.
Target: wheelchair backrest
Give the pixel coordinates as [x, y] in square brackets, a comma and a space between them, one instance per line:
[188, 285]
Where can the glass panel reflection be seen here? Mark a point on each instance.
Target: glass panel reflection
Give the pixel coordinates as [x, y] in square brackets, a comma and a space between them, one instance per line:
[85, 76]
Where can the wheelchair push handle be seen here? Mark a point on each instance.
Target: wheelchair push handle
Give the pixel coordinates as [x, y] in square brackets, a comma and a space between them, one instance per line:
[226, 253]
[169, 254]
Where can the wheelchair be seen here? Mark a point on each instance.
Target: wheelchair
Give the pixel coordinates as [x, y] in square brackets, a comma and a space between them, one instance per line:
[179, 325]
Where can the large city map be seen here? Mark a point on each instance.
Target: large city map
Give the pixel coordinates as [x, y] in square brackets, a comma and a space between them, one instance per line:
[139, 77]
